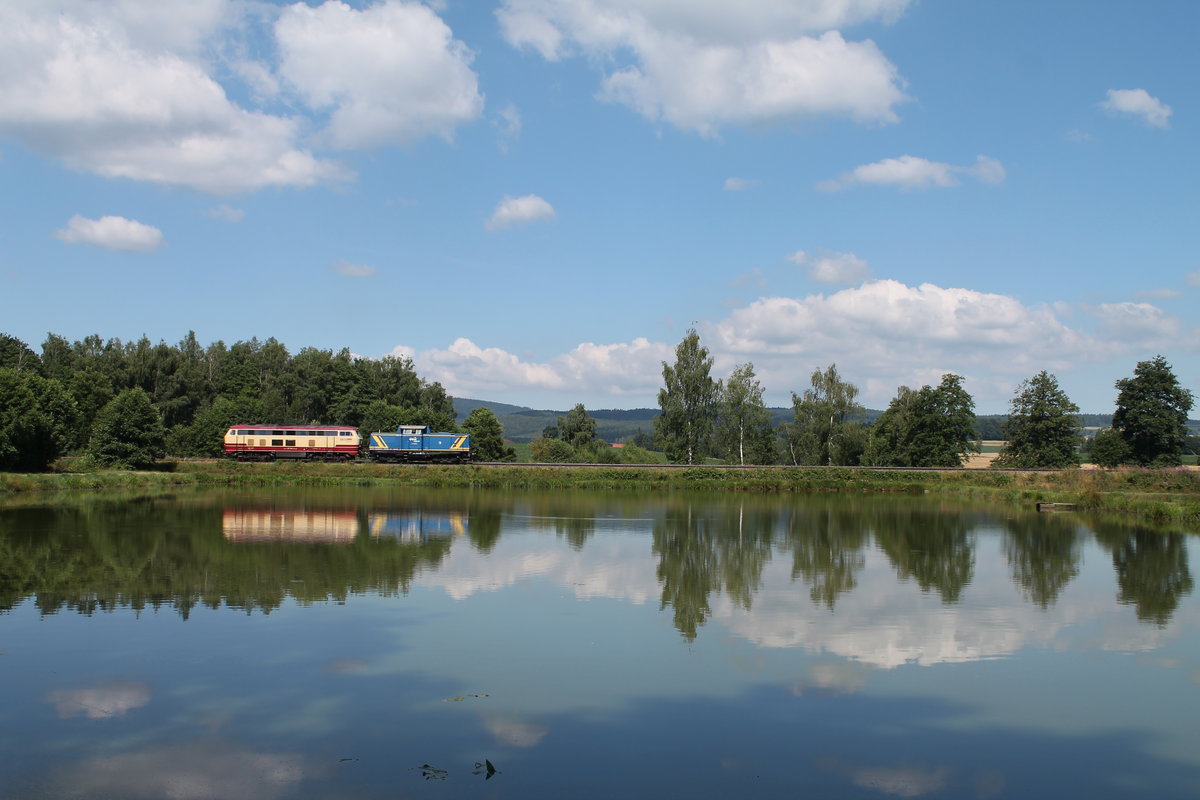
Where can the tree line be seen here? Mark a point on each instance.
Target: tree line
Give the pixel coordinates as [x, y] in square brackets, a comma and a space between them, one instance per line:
[933, 426]
[128, 403]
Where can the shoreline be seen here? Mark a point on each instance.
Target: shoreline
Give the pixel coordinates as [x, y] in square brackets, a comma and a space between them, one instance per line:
[1159, 496]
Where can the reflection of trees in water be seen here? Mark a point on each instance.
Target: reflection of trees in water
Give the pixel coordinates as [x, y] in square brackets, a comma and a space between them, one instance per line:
[827, 546]
[172, 555]
[1152, 570]
[709, 548]
[1044, 555]
[932, 548]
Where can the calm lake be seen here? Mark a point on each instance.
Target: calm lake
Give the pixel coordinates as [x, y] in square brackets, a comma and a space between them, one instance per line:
[368, 643]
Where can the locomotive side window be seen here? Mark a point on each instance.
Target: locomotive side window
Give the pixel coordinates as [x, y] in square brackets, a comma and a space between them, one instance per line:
[277, 443]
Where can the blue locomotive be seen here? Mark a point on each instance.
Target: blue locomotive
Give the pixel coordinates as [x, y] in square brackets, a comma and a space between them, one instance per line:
[415, 443]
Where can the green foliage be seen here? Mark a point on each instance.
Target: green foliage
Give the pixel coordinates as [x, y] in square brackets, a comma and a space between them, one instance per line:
[1042, 429]
[555, 451]
[128, 432]
[743, 427]
[205, 435]
[1152, 412]
[688, 403]
[487, 437]
[16, 355]
[828, 428]
[38, 419]
[577, 428]
[1109, 449]
[635, 454]
[933, 427]
[380, 416]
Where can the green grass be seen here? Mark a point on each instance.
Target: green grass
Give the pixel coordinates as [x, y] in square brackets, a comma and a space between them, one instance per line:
[1168, 496]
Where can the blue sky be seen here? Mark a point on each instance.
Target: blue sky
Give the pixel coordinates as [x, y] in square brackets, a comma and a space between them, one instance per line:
[536, 199]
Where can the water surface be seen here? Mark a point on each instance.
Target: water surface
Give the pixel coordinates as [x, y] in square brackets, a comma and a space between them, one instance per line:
[388, 643]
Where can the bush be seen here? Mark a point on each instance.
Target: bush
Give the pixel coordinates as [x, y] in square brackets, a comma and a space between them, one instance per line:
[128, 432]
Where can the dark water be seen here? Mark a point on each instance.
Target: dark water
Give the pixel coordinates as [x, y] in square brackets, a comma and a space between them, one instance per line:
[394, 644]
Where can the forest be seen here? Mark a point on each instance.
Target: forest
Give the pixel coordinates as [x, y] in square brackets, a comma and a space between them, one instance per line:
[54, 402]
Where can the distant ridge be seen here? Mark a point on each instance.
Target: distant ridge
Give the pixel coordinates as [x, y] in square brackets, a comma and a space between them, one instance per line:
[523, 424]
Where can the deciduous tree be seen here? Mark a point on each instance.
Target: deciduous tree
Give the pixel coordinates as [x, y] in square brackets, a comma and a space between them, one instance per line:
[828, 425]
[1152, 412]
[38, 418]
[743, 426]
[577, 428]
[687, 400]
[487, 436]
[932, 427]
[128, 432]
[1043, 427]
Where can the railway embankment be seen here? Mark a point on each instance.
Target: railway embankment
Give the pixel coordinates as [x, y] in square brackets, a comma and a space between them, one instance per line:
[1161, 496]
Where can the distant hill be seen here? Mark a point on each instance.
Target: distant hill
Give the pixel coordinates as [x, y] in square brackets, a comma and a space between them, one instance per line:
[524, 424]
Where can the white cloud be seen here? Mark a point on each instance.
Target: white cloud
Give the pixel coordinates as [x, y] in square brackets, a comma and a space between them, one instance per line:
[1193, 278]
[881, 334]
[227, 213]
[127, 89]
[105, 701]
[124, 94]
[615, 371]
[739, 184]
[912, 172]
[830, 267]
[390, 73]
[519, 211]
[1140, 103]
[703, 64]
[352, 270]
[1144, 323]
[111, 233]
[207, 768]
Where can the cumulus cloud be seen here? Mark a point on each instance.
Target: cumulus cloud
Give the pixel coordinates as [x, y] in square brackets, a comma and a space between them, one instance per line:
[126, 95]
[111, 233]
[829, 267]
[194, 770]
[621, 370]
[100, 702]
[519, 211]
[129, 89]
[1144, 323]
[392, 72]
[912, 172]
[708, 63]
[352, 270]
[882, 334]
[1139, 103]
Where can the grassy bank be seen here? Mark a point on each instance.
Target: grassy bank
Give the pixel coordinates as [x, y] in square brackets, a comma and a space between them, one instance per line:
[1164, 496]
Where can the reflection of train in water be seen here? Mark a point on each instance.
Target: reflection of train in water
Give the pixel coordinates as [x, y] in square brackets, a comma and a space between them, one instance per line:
[409, 443]
[342, 526]
[289, 525]
[416, 526]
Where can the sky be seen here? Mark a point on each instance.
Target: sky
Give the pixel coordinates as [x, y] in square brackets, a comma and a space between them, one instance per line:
[535, 200]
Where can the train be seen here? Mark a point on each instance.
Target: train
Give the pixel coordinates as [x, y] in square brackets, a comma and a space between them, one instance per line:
[407, 444]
